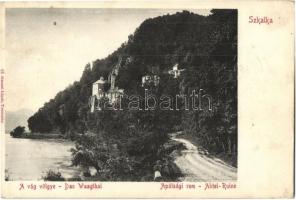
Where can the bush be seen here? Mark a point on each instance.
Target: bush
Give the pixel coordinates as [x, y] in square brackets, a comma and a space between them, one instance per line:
[145, 144]
[17, 132]
[53, 176]
[111, 163]
[89, 152]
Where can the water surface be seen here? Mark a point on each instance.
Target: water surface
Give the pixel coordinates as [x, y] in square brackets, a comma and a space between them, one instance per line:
[30, 159]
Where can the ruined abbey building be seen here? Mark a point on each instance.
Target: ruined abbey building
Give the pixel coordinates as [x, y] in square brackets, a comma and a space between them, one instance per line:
[101, 90]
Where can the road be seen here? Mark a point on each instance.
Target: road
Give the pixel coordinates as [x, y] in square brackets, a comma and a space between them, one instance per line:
[196, 166]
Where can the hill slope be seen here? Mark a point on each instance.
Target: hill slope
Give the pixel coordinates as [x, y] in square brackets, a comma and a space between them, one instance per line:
[206, 47]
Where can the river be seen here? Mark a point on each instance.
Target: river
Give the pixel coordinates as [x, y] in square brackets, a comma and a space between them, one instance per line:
[30, 159]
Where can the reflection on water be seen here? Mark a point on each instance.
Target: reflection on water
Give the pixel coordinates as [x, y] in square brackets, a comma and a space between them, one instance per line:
[30, 159]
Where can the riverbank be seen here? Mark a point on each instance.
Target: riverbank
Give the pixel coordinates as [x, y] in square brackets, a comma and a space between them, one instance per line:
[162, 168]
[41, 136]
[177, 156]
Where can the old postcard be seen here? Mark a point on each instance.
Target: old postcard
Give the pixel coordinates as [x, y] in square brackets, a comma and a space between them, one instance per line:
[146, 99]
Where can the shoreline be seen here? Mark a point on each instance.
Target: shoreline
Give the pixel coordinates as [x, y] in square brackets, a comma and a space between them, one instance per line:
[40, 136]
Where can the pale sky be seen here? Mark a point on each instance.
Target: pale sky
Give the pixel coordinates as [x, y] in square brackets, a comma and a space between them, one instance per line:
[43, 58]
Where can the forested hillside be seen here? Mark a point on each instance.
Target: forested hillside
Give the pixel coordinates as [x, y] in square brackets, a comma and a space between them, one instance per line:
[204, 46]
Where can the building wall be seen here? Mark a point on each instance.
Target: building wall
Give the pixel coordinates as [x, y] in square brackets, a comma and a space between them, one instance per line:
[95, 89]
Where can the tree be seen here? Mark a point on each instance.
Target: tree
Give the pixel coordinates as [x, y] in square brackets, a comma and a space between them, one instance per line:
[40, 123]
[18, 132]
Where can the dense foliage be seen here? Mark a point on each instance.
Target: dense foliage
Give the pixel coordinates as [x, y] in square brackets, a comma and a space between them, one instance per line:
[17, 132]
[53, 176]
[205, 46]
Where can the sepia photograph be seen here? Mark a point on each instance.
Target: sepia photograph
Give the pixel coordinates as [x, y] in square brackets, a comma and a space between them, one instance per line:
[167, 99]
[121, 94]
[127, 94]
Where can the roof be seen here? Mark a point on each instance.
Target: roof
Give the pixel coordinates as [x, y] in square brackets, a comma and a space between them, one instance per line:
[100, 81]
